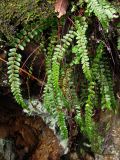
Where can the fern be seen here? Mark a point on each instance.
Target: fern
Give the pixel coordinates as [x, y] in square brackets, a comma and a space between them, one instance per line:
[14, 61]
[102, 10]
[61, 115]
[56, 60]
[64, 83]
[53, 95]
[89, 124]
[62, 124]
[14, 79]
[108, 99]
[96, 72]
[96, 61]
[77, 80]
[90, 128]
[118, 40]
[81, 47]
[58, 56]
[118, 43]
[48, 93]
[76, 105]
[24, 37]
[50, 50]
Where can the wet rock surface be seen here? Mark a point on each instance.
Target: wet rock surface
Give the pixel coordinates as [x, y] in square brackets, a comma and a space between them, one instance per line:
[111, 145]
[7, 150]
[24, 137]
[33, 140]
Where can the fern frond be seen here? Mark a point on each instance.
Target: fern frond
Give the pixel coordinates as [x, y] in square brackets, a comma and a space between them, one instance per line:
[62, 124]
[81, 47]
[96, 71]
[118, 43]
[61, 118]
[76, 105]
[50, 50]
[59, 112]
[101, 72]
[104, 89]
[14, 61]
[90, 127]
[65, 84]
[49, 98]
[118, 40]
[55, 93]
[58, 56]
[24, 37]
[108, 98]
[48, 93]
[68, 89]
[89, 124]
[13, 76]
[102, 10]
[96, 61]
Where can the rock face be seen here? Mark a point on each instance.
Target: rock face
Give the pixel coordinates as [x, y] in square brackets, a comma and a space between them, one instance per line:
[33, 140]
[48, 148]
[6, 150]
[111, 146]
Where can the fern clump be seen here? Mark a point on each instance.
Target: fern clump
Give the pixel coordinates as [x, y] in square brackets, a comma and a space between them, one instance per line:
[78, 77]
[59, 54]
[52, 92]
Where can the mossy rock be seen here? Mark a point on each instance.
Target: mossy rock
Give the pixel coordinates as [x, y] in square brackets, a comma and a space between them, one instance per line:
[14, 13]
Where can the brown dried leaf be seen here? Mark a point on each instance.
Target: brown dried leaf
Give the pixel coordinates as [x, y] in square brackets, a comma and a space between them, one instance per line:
[61, 7]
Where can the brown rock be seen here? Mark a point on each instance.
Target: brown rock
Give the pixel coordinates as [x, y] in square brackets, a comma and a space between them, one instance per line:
[48, 148]
[31, 135]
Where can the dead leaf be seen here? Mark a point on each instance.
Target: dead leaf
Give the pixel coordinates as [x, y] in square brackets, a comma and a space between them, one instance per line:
[61, 7]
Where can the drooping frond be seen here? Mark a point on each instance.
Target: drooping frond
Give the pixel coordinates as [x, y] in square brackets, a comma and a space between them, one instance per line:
[102, 10]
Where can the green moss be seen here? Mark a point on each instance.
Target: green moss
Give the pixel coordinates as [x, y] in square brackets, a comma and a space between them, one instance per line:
[21, 13]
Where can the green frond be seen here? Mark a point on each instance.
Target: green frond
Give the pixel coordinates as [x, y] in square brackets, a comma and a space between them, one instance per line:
[118, 40]
[96, 61]
[14, 61]
[118, 43]
[48, 93]
[89, 124]
[102, 10]
[13, 76]
[59, 54]
[81, 47]
[107, 93]
[62, 124]
[78, 76]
